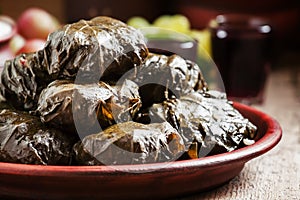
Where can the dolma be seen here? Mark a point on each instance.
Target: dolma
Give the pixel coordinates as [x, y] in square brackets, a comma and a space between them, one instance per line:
[24, 139]
[173, 73]
[88, 108]
[130, 143]
[208, 122]
[101, 48]
[94, 95]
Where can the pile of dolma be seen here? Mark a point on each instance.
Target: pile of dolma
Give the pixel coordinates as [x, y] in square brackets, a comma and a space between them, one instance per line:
[95, 95]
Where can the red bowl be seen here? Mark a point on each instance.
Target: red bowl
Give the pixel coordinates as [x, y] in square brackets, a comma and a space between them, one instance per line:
[149, 181]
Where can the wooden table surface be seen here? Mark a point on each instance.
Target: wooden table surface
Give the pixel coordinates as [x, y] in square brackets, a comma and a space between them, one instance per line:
[276, 174]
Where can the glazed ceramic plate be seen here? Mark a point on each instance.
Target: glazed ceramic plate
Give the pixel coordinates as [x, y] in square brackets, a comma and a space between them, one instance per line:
[149, 181]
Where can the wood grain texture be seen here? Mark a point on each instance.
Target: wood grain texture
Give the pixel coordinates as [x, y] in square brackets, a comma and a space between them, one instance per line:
[276, 174]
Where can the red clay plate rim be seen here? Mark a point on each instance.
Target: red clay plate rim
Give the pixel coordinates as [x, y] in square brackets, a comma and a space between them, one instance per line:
[242, 155]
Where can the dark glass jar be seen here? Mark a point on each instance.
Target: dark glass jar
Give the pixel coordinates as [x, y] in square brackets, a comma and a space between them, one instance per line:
[241, 50]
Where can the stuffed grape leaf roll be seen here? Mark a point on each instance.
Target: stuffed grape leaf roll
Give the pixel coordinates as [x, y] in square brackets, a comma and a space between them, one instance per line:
[24, 139]
[102, 48]
[207, 121]
[130, 143]
[88, 108]
[160, 73]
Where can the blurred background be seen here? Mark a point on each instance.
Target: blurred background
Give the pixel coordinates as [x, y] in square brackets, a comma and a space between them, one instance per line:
[283, 16]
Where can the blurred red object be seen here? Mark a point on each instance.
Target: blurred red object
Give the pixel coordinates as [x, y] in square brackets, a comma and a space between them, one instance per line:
[241, 50]
[36, 23]
[284, 16]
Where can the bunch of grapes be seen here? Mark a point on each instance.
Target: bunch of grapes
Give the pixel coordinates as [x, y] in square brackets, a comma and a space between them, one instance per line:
[178, 23]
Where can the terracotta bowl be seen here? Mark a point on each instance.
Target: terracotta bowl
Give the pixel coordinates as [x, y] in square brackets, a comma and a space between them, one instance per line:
[149, 181]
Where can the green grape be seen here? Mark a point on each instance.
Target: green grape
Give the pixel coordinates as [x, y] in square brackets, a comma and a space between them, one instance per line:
[203, 38]
[163, 21]
[177, 23]
[180, 23]
[138, 22]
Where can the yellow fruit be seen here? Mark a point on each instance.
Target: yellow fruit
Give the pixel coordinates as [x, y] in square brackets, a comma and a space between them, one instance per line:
[177, 23]
[203, 38]
[163, 21]
[180, 23]
[138, 22]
